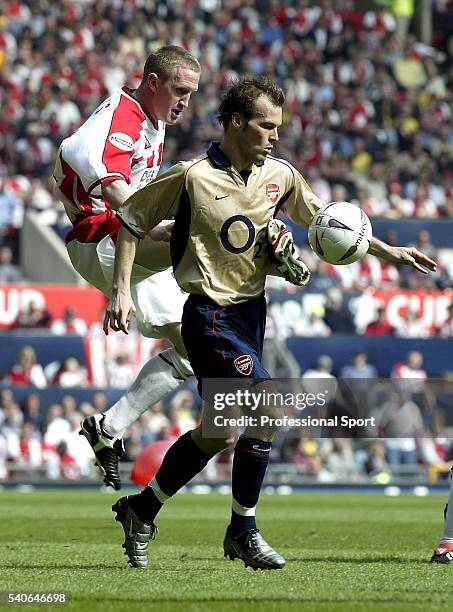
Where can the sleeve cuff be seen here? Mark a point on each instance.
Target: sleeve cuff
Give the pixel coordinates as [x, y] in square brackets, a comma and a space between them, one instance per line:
[130, 228]
[108, 179]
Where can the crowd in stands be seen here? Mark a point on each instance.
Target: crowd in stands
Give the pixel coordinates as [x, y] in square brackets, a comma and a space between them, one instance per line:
[36, 317]
[368, 119]
[413, 425]
[368, 114]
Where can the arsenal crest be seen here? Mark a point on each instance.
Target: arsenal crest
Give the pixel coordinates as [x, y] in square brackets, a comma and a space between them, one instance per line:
[273, 192]
[244, 364]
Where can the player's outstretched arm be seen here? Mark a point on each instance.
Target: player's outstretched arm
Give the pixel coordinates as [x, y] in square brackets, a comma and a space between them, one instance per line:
[120, 307]
[408, 256]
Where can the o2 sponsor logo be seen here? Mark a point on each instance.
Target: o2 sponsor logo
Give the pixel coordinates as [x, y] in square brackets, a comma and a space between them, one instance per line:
[224, 238]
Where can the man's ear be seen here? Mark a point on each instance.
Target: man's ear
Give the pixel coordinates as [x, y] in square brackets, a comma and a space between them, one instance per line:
[237, 120]
[152, 80]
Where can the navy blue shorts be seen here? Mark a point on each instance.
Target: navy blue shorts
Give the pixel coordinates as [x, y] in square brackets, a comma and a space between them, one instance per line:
[224, 342]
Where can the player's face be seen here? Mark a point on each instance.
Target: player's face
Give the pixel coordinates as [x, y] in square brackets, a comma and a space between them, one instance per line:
[171, 98]
[261, 132]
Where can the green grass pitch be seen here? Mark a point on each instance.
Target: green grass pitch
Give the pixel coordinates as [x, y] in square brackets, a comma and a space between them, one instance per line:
[348, 552]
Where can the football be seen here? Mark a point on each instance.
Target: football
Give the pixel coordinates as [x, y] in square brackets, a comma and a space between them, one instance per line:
[340, 233]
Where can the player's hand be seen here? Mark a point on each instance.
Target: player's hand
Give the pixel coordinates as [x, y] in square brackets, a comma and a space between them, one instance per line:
[298, 274]
[119, 312]
[410, 256]
[162, 232]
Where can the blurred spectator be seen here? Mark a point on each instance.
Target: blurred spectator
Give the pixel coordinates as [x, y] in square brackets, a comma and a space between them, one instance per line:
[375, 463]
[32, 317]
[315, 325]
[155, 421]
[69, 324]
[323, 369]
[359, 367]
[380, 326]
[337, 315]
[10, 423]
[373, 272]
[11, 212]
[357, 386]
[9, 273]
[410, 369]
[320, 378]
[444, 404]
[400, 422]
[411, 326]
[7, 399]
[30, 445]
[424, 243]
[70, 374]
[340, 461]
[121, 371]
[31, 409]
[26, 371]
[68, 465]
[305, 454]
[77, 446]
[56, 427]
[433, 455]
[3, 457]
[277, 358]
[324, 276]
[403, 10]
[69, 405]
[181, 413]
[99, 401]
[446, 329]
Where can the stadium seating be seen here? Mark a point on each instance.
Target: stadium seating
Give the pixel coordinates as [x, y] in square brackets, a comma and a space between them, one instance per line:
[406, 230]
[383, 352]
[53, 395]
[49, 348]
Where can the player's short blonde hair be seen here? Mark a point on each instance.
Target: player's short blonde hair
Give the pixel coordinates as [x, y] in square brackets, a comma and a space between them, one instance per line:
[165, 60]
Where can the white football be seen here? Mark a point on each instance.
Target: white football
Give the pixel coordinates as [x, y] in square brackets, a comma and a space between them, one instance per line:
[340, 233]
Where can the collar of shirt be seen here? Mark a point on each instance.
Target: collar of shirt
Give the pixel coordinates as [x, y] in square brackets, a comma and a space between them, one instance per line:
[218, 157]
[131, 93]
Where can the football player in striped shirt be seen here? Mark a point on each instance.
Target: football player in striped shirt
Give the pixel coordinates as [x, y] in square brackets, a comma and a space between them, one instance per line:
[117, 151]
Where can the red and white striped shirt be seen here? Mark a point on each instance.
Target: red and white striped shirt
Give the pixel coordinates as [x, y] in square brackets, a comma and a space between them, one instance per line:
[118, 141]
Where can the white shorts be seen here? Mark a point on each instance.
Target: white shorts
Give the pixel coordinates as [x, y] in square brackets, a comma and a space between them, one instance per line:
[156, 295]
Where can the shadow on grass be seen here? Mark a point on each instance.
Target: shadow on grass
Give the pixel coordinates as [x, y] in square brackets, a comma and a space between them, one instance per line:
[88, 566]
[188, 559]
[327, 559]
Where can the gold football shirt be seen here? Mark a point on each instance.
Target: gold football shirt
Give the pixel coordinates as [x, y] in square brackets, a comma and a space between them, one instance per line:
[219, 240]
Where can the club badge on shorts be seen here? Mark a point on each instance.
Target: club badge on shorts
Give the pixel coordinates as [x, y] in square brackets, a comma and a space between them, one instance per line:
[273, 192]
[244, 364]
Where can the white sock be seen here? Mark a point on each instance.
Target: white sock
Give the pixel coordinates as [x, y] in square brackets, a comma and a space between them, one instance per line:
[161, 496]
[243, 510]
[447, 533]
[156, 379]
